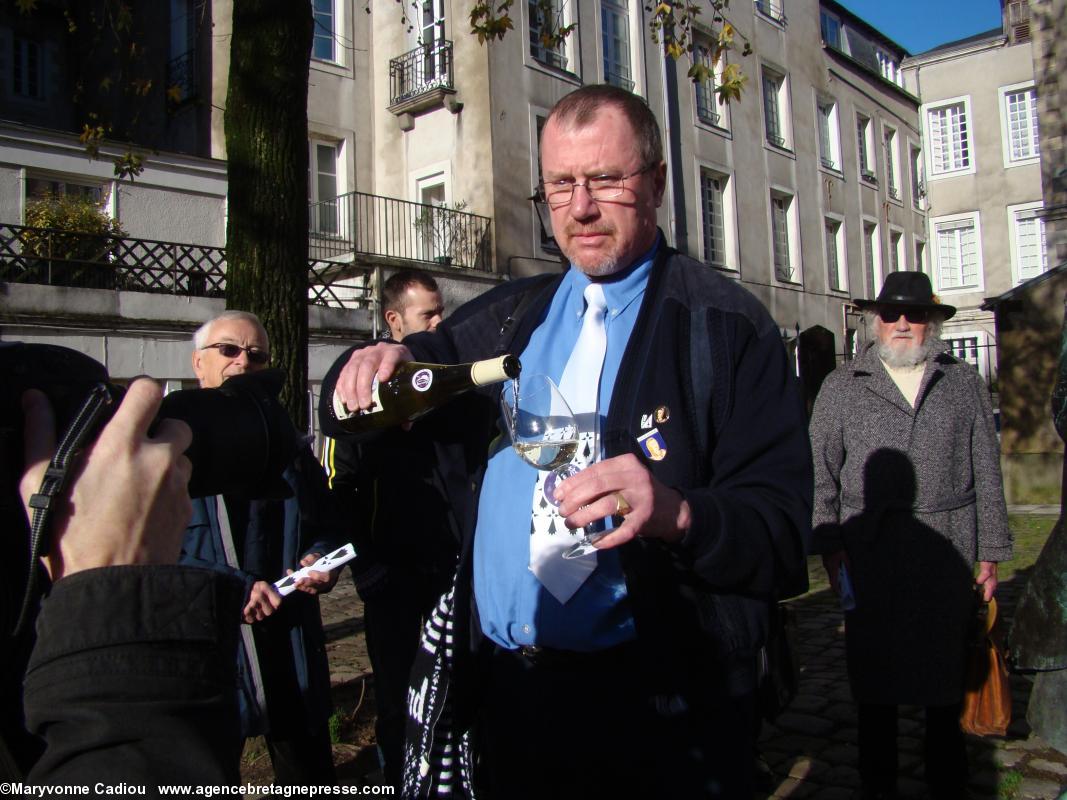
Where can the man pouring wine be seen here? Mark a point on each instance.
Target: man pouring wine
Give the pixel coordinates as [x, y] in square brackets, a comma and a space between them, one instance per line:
[633, 668]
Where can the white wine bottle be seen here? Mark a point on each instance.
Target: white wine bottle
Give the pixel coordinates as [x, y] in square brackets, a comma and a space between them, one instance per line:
[415, 389]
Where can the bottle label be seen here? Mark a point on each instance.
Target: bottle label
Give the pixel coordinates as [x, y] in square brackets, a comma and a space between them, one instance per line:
[421, 380]
[340, 410]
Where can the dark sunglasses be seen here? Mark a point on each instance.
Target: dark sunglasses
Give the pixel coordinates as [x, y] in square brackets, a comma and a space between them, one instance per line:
[914, 316]
[229, 350]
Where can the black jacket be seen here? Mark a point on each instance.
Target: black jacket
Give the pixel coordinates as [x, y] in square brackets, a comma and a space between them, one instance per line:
[737, 449]
[132, 678]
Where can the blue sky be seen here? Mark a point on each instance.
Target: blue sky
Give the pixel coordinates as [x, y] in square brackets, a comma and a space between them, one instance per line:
[919, 25]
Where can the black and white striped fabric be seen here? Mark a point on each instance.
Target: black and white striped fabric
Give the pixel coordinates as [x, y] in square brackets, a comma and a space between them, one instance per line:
[437, 756]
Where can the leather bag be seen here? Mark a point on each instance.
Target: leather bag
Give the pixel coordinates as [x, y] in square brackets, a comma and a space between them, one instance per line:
[987, 690]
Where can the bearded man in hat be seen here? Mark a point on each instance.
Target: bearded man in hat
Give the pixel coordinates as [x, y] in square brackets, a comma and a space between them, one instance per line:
[908, 498]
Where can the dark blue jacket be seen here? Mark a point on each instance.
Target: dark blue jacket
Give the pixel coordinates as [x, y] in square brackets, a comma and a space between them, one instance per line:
[271, 537]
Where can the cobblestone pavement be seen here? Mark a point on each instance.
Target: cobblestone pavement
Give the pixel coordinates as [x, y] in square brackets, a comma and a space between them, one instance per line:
[811, 747]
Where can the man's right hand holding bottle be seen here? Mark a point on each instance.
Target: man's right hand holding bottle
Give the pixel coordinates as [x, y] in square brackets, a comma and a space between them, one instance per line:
[354, 384]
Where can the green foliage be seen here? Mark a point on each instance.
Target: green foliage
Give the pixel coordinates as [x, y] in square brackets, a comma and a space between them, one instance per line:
[334, 725]
[448, 237]
[79, 229]
[1008, 784]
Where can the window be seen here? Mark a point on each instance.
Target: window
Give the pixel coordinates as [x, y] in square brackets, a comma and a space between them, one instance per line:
[896, 251]
[772, 9]
[785, 237]
[181, 63]
[865, 147]
[1018, 111]
[918, 187]
[949, 137]
[776, 108]
[323, 44]
[958, 254]
[892, 164]
[436, 54]
[544, 29]
[830, 26]
[829, 140]
[27, 69]
[323, 188]
[834, 235]
[38, 188]
[920, 257]
[545, 238]
[872, 258]
[615, 19]
[716, 220]
[709, 109]
[1029, 257]
[972, 347]
[888, 67]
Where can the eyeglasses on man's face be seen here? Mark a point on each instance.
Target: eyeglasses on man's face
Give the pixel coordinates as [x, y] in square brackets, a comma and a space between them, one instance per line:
[230, 350]
[914, 316]
[600, 187]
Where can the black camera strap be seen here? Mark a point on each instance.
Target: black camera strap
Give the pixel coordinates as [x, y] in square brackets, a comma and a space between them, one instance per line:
[95, 409]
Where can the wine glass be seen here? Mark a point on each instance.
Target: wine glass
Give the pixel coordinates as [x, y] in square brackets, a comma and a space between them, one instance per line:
[544, 432]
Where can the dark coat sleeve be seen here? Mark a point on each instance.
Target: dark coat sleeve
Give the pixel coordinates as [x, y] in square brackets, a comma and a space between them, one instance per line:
[751, 523]
[132, 679]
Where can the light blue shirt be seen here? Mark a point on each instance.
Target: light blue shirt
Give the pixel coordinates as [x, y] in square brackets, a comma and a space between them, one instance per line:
[513, 606]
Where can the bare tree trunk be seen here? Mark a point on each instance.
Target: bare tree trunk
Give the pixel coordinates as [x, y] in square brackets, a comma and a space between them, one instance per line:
[267, 153]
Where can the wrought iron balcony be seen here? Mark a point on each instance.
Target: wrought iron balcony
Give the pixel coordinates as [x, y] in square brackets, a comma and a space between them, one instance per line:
[422, 71]
[367, 224]
[89, 261]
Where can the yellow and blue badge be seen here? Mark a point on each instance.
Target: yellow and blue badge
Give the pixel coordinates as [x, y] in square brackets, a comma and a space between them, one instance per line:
[652, 445]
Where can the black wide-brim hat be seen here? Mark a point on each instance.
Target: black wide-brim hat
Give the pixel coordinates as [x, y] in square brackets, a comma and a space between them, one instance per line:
[907, 290]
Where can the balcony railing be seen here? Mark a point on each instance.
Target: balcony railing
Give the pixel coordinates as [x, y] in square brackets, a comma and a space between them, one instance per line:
[368, 224]
[421, 71]
[89, 261]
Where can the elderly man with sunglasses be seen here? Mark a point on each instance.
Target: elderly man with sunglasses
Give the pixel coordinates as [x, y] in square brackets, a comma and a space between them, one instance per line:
[284, 690]
[908, 497]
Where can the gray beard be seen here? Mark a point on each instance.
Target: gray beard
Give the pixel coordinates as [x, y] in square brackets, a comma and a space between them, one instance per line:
[911, 356]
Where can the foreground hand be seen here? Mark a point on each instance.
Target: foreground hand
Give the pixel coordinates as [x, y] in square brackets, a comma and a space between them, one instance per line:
[832, 564]
[987, 579]
[364, 365]
[608, 487]
[128, 502]
[316, 582]
[263, 602]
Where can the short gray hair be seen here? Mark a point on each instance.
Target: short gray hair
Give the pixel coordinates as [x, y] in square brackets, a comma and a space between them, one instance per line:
[200, 336]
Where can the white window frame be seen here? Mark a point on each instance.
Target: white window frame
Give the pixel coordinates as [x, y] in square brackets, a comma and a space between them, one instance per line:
[865, 151]
[841, 45]
[897, 251]
[621, 9]
[981, 355]
[926, 110]
[975, 218]
[103, 191]
[541, 245]
[783, 110]
[568, 52]
[721, 111]
[337, 14]
[917, 175]
[871, 246]
[1027, 210]
[337, 148]
[731, 260]
[893, 183]
[920, 254]
[1005, 126]
[830, 138]
[791, 231]
[773, 10]
[888, 66]
[840, 253]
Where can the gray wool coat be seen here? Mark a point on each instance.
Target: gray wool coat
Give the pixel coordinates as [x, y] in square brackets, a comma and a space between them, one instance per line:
[914, 496]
